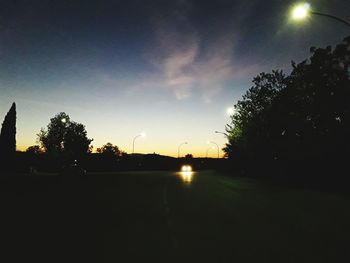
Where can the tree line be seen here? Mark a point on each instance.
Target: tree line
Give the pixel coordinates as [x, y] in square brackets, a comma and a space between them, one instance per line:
[286, 126]
[295, 125]
[64, 143]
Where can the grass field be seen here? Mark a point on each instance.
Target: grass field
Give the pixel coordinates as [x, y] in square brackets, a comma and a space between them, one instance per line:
[157, 216]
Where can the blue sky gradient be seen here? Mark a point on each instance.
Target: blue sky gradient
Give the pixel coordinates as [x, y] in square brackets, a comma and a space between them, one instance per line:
[169, 68]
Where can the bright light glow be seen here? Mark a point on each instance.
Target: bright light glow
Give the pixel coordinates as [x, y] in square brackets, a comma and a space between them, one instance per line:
[230, 111]
[186, 173]
[63, 120]
[186, 168]
[187, 177]
[300, 11]
[143, 134]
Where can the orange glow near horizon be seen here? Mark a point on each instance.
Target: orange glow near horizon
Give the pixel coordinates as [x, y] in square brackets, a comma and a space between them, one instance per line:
[197, 153]
[160, 139]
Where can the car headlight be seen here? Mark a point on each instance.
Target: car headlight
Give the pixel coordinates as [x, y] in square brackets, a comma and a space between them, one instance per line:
[186, 168]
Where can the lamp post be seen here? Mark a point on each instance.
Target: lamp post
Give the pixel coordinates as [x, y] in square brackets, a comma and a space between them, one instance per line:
[206, 153]
[301, 11]
[178, 149]
[133, 142]
[217, 147]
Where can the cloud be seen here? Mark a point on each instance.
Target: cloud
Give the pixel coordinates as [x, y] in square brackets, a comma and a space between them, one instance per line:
[186, 70]
[189, 62]
[177, 70]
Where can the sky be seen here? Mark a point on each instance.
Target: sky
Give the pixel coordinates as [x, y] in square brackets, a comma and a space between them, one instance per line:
[167, 68]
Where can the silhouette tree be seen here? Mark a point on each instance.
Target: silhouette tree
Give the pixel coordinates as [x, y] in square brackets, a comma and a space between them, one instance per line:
[76, 142]
[35, 149]
[301, 120]
[110, 156]
[109, 149]
[249, 131]
[188, 156]
[64, 138]
[52, 139]
[316, 106]
[8, 138]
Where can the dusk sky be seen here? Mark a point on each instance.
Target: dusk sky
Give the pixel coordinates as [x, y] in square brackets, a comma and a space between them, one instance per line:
[167, 68]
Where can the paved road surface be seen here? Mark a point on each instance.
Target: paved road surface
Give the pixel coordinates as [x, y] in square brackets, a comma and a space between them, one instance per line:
[167, 217]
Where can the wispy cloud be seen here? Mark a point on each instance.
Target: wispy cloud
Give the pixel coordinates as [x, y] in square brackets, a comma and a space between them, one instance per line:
[184, 69]
[189, 63]
[188, 60]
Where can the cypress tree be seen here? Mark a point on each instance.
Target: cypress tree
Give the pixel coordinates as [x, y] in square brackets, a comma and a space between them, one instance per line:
[8, 138]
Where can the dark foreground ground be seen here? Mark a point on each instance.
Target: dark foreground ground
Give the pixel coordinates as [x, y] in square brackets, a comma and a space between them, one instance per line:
[157, 217]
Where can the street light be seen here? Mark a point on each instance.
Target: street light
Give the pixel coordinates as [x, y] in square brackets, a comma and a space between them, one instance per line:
[178, 149]
[300, 11]
[217, 147]
[133, 142]
[303, 10]
[206, 153]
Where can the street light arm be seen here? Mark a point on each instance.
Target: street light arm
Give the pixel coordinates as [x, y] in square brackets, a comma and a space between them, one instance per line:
[206, 153]
[137, 136]
[331, 16]
[217, 147]
[133, 142]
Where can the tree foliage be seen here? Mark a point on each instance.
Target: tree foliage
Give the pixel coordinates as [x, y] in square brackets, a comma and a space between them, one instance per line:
[188, 156]
[34, 149]
[250, 126]
[302, 116]
[8, 140]
[64, 137]
[8, 132]
[109, 149]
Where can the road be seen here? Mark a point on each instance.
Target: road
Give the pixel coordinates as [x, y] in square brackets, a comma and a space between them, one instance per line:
[166, 217]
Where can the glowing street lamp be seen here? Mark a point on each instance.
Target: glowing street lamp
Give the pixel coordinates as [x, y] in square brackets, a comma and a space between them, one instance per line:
[300, 11]
[303, 10]
[178, 149]
[137, 136]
